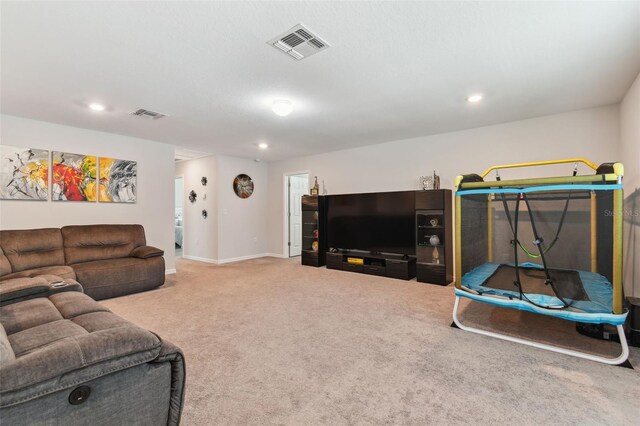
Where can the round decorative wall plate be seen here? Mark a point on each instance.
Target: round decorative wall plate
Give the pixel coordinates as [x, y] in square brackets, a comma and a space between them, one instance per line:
[243, 186]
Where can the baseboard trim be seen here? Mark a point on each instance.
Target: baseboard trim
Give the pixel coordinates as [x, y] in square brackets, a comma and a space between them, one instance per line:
[233, 259]
[200, 259]
[241, 258]
[278, 255]
[169, 271]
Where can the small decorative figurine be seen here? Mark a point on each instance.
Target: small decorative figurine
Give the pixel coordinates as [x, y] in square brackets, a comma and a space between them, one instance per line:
[436, 180]
[434, 222]
[315, 189]
[426, 182]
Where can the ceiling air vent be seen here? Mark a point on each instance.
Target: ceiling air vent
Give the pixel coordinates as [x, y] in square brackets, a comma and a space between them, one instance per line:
[145, 113]
[299, 42]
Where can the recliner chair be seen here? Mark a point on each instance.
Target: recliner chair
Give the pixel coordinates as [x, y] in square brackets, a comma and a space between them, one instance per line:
[67, 360]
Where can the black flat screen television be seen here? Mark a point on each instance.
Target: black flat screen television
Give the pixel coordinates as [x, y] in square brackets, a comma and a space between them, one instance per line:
[381, 222]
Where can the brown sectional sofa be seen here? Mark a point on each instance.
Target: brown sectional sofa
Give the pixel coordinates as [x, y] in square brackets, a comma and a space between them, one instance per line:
[107, 260]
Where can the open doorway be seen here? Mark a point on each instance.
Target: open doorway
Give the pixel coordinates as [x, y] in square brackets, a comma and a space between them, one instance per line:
[297, 185]
[179, 217]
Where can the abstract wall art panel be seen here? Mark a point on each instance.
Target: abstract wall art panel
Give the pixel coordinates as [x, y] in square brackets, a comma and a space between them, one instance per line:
[73, 177]
[118, 180]
[24, 173]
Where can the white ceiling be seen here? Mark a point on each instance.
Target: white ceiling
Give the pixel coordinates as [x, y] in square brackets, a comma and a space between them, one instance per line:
[395, 69]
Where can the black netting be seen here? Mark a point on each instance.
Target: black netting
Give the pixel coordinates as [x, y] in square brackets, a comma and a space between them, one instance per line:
[562, 220]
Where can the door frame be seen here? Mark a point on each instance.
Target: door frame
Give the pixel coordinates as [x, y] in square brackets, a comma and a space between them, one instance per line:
[285, 211]
[176, 177]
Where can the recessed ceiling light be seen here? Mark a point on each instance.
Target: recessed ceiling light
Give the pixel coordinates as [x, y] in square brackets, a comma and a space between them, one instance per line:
[282, 107]
[474, 98]
[96, 107]
[263, 145]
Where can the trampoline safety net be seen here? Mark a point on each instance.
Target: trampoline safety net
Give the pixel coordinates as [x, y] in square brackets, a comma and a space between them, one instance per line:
[548, 248]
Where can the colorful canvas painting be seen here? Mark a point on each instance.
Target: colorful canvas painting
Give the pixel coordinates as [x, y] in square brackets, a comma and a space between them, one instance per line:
[118, 180]
[73, 177]
[24, 173]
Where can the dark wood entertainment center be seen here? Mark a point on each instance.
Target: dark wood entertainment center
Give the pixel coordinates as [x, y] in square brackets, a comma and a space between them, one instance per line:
[433, 260]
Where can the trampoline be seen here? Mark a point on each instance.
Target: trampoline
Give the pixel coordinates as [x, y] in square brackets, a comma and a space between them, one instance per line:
[548, 245]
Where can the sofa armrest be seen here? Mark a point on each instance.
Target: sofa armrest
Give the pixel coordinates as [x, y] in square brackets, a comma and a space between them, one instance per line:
[145, 252]
[172, 354]
[18, 289]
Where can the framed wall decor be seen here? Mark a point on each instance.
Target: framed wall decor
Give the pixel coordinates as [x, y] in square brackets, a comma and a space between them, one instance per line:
[118, 181]
[24, 173]
[243, 186]
[73, 177]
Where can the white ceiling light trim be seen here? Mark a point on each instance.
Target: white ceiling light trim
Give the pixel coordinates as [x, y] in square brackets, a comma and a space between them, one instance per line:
[282, 107]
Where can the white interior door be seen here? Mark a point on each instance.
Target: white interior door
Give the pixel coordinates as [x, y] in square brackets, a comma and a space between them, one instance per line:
[298, 186]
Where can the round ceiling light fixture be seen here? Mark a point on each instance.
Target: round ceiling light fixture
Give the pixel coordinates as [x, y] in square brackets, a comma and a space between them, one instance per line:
[263, 145]
[282, 107]
[474, 98]
[96, 107]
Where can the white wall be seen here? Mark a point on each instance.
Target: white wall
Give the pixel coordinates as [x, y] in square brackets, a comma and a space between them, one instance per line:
[153, 210]
[236, 228]
[242, 223]
[591, 133]
[200, 234]
[630, 155]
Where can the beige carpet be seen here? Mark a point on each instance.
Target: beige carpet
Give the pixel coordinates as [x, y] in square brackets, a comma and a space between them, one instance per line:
[269, 341]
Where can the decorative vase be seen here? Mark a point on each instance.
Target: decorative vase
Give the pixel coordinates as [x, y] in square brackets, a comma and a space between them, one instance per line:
[435, 255]
[434, 240]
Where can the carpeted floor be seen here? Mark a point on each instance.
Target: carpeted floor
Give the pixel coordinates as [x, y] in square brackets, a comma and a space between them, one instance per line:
[269, 341]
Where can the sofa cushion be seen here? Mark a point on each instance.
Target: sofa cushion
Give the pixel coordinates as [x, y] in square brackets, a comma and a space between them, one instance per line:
[62, 271]
[126, 273]
[46, 349]
[5, 266]
[86, 243]
[32, 248]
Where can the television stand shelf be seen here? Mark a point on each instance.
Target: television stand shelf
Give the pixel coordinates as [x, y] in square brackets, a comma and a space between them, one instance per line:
[382, 264]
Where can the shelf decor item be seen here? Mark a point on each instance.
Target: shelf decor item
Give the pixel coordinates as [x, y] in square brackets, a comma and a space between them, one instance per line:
[24, 173]
[73, 177]
[434, 240]
[426, 182]
[436, 180]
[314, 245]
[243, 186]
[315, 189]
[434, 222]
[435, 255]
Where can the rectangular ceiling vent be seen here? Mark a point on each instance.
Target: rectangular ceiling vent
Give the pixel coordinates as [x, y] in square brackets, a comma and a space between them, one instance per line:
[299, 42]
[145, 113]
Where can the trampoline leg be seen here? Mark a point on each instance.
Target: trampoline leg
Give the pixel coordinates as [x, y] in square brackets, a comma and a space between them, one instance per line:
[612, 361]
